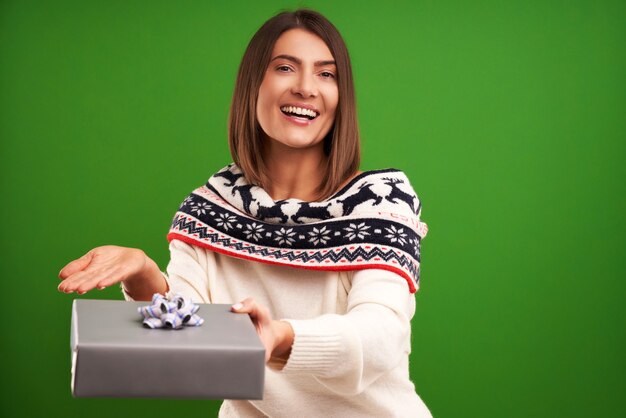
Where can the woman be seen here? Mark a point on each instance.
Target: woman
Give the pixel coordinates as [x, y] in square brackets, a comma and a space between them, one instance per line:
[292, 230]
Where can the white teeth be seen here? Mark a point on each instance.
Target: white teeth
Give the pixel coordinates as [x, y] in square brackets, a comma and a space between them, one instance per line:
[299, 111]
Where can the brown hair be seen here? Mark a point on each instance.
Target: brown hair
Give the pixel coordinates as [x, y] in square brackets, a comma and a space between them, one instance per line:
[341, 144]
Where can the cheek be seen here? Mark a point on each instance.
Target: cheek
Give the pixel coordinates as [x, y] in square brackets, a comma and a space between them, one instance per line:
[332, 100]
[262, 105]
[332, 112]
[264, 89]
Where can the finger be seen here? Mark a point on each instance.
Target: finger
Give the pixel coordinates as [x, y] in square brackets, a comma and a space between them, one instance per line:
[76, 265]
[70, 284]
[110, 279]
[94, 280]
[261, 319]
[256, 311]
[87, 285]
[245, 306]
[80, 282]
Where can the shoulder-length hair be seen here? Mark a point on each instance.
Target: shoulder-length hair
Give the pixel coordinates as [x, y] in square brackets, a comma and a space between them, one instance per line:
[341, 145]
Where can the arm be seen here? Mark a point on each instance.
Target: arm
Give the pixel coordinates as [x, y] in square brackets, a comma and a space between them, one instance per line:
[348, 352]
[186, 273]
[345, 352]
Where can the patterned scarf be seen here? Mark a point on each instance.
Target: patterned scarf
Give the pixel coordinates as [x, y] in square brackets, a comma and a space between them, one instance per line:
[372, 222]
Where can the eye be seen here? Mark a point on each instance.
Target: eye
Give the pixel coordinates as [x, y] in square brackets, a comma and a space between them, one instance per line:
[327, 74]
[283, 68]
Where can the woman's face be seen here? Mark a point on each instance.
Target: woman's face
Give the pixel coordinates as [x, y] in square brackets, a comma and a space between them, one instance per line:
[298, 96]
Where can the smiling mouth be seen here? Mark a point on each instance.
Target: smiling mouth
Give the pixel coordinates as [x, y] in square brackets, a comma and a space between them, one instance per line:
[299, 112]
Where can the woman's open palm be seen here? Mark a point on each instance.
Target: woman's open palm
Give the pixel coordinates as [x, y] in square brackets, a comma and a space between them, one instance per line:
[100, 268]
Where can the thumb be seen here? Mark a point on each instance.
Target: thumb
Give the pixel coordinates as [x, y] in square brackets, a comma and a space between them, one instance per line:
[76, 265]
[259, 313]
[247, 305]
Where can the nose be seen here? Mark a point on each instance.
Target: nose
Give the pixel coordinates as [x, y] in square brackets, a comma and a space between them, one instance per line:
[305, 85]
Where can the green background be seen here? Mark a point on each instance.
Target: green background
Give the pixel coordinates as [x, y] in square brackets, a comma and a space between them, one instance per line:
[508, 118]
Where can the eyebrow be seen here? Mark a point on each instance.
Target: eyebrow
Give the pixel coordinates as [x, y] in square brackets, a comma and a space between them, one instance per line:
[299, 61]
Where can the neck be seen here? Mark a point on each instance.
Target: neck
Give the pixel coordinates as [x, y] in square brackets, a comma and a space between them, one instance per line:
[293, 172]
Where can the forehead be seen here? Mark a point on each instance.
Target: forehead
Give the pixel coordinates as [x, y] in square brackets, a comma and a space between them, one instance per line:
[302, 44]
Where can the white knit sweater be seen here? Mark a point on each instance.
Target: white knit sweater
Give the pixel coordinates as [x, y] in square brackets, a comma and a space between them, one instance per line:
[350, 356]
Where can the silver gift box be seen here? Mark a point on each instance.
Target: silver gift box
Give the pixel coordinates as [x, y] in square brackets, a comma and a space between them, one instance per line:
[113, 355]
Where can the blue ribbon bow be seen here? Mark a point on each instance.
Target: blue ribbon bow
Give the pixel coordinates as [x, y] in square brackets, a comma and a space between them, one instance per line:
[172, 314]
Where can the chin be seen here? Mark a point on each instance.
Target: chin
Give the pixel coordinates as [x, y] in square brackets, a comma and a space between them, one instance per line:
[302, 144]
[297, 142]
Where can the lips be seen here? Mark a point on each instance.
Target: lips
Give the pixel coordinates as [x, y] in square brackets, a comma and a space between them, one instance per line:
[299, 111]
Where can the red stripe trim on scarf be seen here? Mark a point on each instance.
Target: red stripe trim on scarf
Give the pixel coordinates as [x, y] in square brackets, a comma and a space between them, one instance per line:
[172, 236]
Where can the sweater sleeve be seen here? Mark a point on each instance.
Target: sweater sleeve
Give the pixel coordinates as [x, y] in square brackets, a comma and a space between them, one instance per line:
[186, 273]
[350, 351]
